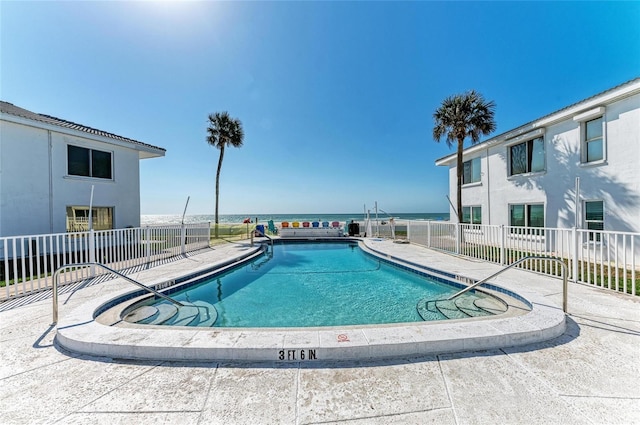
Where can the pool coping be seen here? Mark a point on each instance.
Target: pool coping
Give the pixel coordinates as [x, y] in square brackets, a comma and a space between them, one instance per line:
[79, 332]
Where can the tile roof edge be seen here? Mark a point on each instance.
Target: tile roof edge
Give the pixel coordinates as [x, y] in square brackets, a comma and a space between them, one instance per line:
[49, 119]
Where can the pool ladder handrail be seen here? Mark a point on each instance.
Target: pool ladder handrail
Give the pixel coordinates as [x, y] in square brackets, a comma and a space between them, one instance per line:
[56, 274]
[263, 234]
[565, 285]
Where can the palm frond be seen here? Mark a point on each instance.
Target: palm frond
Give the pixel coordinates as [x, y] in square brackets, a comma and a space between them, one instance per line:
[464, 116]
[224, 130]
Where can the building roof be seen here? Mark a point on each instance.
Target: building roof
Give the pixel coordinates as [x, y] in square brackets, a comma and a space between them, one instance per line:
[11, 109]
[613, 94]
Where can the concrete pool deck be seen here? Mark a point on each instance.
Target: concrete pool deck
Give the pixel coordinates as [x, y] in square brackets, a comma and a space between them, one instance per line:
[589, 374]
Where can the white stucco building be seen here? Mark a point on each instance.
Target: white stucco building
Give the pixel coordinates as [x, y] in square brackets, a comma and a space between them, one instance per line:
[527, 176]
[48, 166]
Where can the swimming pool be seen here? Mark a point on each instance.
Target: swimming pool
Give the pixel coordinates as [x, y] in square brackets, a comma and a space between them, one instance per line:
[313, 284]
[96, 327]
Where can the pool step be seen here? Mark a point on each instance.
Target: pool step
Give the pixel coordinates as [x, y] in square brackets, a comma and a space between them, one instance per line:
[428, 311]
[165, 312]
[138, 315]
[451, 310]
[491, 305]
[152, 315]
[198, 313]
[208, 314]
[459, 308]
[475, 307]
[187, 314]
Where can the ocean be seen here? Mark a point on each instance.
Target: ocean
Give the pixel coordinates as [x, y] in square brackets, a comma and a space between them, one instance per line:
[157, 219]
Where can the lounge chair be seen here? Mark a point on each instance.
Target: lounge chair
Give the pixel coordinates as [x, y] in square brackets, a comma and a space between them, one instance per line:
[325, 224]
[335, 224]
[296, 224]
[305, 224]
[272, 227]
[285, 224]
[315, 224]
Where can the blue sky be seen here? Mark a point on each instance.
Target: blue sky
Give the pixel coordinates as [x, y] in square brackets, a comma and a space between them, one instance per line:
[336, 98]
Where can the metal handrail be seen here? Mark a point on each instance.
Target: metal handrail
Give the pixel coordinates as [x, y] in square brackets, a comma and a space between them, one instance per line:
[263, 234]
[56, 274]
[565, 285]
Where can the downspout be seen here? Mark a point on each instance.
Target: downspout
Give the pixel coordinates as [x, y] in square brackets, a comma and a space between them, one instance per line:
[50, 153]
[454, 209]
[0, 186]
[488, 190]
[577, 222]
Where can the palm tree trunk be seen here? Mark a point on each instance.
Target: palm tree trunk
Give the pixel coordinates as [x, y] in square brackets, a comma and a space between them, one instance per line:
[460, 172]
[218, 187]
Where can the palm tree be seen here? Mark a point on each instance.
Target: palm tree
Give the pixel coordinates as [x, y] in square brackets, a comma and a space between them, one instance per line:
[461, 116]
[223, 131]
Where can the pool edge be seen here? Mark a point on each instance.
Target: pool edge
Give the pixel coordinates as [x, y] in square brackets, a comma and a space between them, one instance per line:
[78, 332]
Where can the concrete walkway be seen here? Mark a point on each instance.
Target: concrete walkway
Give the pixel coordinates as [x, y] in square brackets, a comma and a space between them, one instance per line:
[589, 375]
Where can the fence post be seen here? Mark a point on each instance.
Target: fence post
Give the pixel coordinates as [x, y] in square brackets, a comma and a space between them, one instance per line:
[503, 254]
[147, 246]
[574, 260]
[183, 239]
[457, 238]
[92, 252]
[633, 265]
[429, 233]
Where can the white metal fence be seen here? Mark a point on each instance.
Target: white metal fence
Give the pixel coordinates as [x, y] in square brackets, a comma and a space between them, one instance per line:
[27, 263]
[606, 259]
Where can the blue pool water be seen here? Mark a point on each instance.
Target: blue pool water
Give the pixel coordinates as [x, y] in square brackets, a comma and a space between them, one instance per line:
[314, 284]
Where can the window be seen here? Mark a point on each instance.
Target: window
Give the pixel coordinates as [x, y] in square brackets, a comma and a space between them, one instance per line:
[526, 215]
[593, 147]
[88, 162]
[78, 218]
[594, 218]
[527, 157]
[471, 171]
[472, 215]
